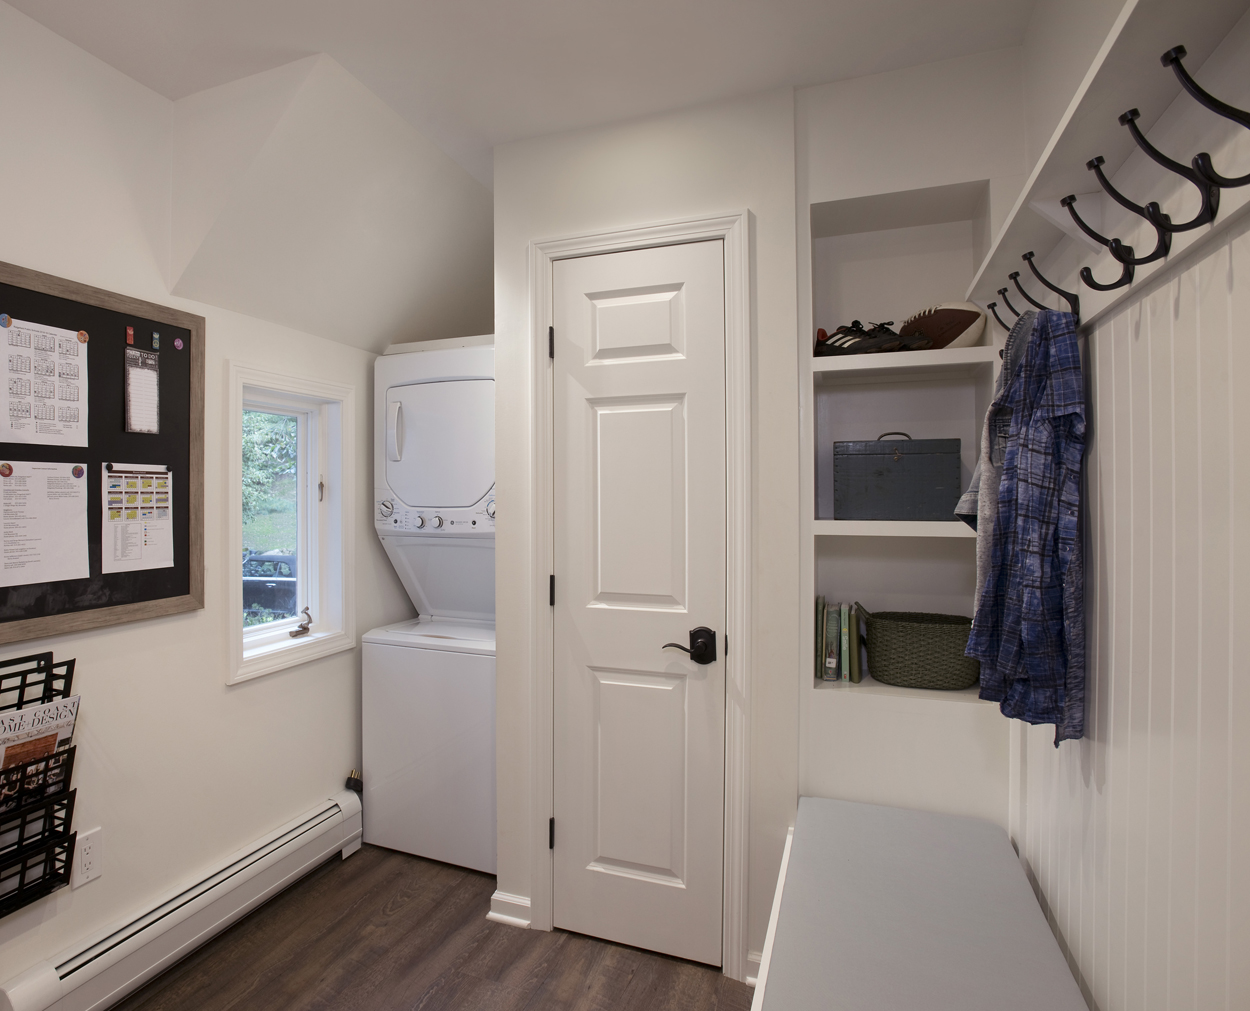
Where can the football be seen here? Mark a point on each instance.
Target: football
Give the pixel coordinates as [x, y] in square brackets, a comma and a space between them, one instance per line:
[949, 325]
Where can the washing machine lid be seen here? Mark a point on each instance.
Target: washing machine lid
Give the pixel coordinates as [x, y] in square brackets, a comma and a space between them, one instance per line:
[437, 633]
[445, 576]
[440, 442]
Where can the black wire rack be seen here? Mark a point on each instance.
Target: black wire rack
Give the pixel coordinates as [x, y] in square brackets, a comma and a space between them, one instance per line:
[36, 802]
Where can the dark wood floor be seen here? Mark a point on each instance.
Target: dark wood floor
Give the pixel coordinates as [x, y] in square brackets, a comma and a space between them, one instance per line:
[382, 930]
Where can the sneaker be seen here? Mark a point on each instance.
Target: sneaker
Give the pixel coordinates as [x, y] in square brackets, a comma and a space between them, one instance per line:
[838, 342]
[878, 337]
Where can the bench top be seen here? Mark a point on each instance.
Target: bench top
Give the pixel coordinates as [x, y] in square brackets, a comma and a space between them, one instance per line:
[885, 909]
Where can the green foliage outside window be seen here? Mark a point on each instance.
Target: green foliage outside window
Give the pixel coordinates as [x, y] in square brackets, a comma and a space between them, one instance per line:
[270, 516]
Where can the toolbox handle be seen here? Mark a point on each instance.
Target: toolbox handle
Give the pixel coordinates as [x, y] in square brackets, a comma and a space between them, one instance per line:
[884, 434]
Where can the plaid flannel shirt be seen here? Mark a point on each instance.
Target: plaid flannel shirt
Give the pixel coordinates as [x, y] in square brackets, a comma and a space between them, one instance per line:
[1029, 628]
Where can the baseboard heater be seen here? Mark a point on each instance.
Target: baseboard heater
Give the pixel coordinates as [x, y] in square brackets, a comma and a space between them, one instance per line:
[105, 967]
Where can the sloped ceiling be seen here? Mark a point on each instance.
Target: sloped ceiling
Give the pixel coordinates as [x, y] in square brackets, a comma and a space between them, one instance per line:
[475, 73]
[300, 197]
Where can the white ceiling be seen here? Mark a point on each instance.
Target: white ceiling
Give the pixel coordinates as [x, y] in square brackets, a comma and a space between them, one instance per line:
[474, 73]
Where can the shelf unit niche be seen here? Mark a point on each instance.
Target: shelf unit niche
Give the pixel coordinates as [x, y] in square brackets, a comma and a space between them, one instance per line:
[874, 259]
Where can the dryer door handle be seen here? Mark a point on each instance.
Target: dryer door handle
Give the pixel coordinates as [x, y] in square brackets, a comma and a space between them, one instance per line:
[395, 431]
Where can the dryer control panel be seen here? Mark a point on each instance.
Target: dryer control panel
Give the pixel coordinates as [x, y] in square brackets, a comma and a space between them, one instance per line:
[391, 514]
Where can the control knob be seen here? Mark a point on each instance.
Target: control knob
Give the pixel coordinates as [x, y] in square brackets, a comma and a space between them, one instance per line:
[419, 522]
[436, 522]
[386, 507]
[490, 508]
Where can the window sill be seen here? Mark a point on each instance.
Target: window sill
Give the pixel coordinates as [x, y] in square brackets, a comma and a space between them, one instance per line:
[271, 656]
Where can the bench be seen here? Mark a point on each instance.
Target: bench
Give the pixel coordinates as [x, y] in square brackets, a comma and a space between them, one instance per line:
[885, 909]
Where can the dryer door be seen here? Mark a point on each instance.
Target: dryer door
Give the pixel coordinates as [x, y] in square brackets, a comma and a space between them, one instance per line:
[440, 442]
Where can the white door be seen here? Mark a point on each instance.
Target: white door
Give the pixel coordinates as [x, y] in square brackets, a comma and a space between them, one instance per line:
[639, 395]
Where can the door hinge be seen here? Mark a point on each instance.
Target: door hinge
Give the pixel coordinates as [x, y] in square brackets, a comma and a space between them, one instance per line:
[551, 342]
[551, 834]
[552, 592]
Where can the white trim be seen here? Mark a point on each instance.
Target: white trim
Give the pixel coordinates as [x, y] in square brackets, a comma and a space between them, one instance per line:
[766, 956]
[102, 968]
[734, 231]
[334, 593]
[753, 967]
[1017, 784]
[513, 910]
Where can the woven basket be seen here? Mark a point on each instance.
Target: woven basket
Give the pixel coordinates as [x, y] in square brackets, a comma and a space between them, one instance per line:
[912, 649]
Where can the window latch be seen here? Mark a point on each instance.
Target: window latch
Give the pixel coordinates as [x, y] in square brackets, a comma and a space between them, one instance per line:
[304, 626]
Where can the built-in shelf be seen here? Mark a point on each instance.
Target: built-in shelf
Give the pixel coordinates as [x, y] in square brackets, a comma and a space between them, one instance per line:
[1126, 74]
[904, 365]
[870, 687]
[893, 528]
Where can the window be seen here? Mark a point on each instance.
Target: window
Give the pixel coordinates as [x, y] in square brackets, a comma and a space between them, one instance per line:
[290, 505]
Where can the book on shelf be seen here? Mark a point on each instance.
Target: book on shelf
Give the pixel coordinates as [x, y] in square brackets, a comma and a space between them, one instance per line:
[820, 635]
[854, 670]
[829, 653]
[844, 640]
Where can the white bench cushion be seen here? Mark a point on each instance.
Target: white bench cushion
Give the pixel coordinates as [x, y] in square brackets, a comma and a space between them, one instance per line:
[885, 909]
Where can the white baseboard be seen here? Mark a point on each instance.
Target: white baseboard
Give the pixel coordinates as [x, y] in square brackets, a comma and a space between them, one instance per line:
[102, 969]
[513, 910]
[754, 958]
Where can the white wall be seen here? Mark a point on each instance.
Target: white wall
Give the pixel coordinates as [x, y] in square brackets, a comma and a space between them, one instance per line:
[948, 124]
[178, 769]
[956, 121]
[1060, 43]
[704, 161]
[1136, 835]
[371, 235]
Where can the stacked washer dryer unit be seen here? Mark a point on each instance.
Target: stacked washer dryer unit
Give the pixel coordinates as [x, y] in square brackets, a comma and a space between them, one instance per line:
[428, 705]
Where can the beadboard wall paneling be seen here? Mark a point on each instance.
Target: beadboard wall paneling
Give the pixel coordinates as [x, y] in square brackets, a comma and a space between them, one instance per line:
[1137, 838]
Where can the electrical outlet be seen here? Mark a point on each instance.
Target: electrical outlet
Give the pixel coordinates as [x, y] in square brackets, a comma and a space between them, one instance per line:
[87, 857]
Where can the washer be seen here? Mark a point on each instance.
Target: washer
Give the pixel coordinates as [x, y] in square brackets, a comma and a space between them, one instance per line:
[428, 686]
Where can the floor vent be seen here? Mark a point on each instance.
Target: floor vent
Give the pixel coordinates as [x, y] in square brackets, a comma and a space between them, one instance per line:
[106, 966]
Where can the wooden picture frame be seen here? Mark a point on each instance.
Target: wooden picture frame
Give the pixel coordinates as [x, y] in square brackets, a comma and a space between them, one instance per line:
[16, 630]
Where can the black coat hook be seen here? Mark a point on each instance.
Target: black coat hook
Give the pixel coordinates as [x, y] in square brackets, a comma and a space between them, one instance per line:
[1122, 253]
[1087, 275]
[1210, 192]
[1014, 277]
[1152, 212]
[1071, 297]
[993, 307]
[1002, 293]
[1202, 162]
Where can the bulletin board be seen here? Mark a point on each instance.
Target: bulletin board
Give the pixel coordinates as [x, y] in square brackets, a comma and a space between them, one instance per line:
[103, 400]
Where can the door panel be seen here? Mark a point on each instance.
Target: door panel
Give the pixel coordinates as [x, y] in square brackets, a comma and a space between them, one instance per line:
[640, 469]
[639, 392]
[638, 323]
[640, 789]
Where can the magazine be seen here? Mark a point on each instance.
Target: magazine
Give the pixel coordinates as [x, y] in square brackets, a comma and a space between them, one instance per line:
[30, 734]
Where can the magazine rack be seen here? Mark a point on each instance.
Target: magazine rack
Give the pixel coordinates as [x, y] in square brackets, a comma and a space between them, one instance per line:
[36, 803]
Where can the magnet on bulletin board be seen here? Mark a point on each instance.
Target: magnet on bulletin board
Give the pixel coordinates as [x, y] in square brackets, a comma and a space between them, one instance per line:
[178, 343]
[130, 335]
[156, 341]
[5, 319]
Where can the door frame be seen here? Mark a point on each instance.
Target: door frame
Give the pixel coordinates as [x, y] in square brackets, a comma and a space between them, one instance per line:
[734, 231]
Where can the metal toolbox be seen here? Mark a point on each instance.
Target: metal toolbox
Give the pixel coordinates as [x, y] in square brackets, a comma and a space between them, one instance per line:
[896, 479]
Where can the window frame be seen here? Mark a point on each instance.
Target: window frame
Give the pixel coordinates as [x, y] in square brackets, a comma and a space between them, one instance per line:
[325, 554]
